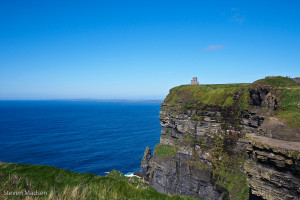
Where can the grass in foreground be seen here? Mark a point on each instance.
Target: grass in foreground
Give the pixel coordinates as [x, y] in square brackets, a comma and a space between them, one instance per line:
[64, 184]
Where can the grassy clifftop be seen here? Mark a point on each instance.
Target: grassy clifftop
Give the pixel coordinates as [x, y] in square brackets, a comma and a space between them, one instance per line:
[288, 92]
[53, 183]
[277, 81]
[227, 95]
[270, 98]
[212, 95]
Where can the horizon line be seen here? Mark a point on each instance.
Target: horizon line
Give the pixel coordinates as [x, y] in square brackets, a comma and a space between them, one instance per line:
[89, 99]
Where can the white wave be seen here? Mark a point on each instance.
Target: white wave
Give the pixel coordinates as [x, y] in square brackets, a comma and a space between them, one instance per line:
[130, 174]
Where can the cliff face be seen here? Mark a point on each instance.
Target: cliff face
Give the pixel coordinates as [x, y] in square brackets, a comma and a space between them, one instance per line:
[181, 173]
[265, 102]
[203, 147]
[273, 151]
[184, 162]
[273, 168]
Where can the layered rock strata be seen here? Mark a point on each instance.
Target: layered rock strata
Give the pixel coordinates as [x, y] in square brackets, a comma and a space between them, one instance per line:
[185, 161]
[273, 168]
[188, 171]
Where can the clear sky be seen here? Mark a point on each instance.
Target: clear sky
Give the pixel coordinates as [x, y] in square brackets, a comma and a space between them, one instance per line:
[58, 49]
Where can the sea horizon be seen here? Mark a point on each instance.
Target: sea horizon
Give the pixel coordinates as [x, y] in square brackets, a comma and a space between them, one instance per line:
[92, 99]
[81, 136]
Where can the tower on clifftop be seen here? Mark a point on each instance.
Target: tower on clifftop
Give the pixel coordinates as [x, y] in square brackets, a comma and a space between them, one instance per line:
[194, 81]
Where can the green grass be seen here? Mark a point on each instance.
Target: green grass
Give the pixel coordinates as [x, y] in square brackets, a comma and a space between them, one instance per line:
[289, 111]
[222, 95]
[235, 183]
[64, 184]
[227, 173]
[163, 150]
[244, 98]
[289, 97]
[134, 181]
[277, 81]
[227, 164]
[295, 154]
[212, 95]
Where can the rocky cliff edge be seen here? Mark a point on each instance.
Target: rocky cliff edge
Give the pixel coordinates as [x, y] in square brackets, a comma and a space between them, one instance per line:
[214, 137]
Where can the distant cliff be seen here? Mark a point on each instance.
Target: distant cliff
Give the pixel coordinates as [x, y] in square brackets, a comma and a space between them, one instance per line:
[205, 140]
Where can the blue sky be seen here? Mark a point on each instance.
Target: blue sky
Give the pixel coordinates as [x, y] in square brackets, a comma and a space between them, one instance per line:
[140, 49]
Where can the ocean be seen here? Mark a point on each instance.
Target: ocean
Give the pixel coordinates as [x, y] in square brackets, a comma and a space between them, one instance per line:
[81, 136]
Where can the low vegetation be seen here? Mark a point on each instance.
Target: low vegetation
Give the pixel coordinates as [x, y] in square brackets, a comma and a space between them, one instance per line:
[276, 81]
[288, 92]
[289, 111]
[221, 95]
[164, 150]
[228, 95]
[134, 180]
[54, 183]
[227, 165]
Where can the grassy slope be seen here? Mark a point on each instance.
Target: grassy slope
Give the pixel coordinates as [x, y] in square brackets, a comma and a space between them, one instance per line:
[277, 81]
[64, 184]
[229, 176]
[288, 111]
[212, 95]
[289, 96]
[163, 150]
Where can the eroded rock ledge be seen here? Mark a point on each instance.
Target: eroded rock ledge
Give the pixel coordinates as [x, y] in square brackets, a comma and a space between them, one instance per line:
[273, 168]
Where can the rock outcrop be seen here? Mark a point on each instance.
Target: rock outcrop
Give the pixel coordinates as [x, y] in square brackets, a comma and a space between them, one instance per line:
[181, 173]
[182, 162]
[273, 168]
[145, 165]
[264, 102]
[273, 151]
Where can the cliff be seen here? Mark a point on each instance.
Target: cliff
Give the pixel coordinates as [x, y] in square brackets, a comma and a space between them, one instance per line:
[273, 168]
[273, 152]
[205, 144]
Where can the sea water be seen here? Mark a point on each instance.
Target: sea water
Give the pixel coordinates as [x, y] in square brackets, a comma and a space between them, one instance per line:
[81, 136]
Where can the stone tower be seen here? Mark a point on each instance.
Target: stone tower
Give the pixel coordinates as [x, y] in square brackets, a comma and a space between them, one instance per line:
[194, 81]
